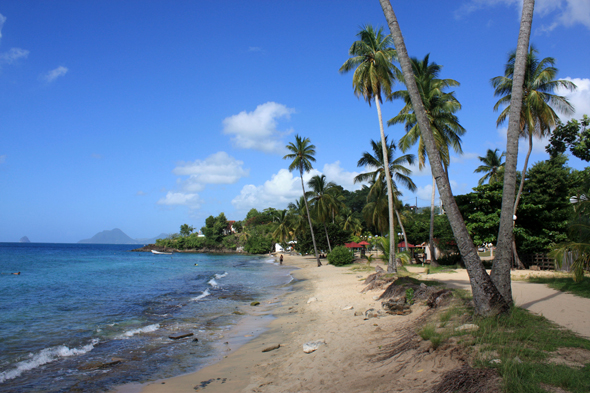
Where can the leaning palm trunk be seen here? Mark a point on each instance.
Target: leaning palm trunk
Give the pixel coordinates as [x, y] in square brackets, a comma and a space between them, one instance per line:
[502, 262]
[431, 234]
[327, 237]
[399, 220]
[517, 260]
[487, 299]
[391, 265]
[315, 248]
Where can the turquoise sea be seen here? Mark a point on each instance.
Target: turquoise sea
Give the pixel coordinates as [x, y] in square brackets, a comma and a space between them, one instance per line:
[75, 307]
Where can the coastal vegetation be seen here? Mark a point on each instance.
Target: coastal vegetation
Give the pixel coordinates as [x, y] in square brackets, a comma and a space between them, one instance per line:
[430, 117]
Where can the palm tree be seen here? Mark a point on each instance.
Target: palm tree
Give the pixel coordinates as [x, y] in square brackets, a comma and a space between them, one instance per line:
[396, 169]
[440, 108]
[302, 154]
[374, 74]
[323, 202]
[537, 116]
[351, 223]
[284, 230]
[492, 166]
[486, 297]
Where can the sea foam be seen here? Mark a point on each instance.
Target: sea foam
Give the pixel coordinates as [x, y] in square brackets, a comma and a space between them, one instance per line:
[218, 276]
[213, 283]
[202, 295]
[146, 329]
[45, 356]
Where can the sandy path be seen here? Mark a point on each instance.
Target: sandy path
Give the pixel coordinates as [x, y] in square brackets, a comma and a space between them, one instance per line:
[567, 310]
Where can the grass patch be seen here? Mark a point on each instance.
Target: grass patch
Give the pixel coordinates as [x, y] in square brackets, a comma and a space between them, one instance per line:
[565, 284]
[442, 269]
[521, 341]
[362, 268]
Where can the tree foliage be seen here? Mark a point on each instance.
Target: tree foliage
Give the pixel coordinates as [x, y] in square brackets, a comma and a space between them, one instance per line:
[574, 135]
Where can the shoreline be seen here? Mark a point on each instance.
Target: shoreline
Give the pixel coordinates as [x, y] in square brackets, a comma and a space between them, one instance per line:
[325, 304]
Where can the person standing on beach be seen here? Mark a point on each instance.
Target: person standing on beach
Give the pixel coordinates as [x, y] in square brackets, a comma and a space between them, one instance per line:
[281, 260]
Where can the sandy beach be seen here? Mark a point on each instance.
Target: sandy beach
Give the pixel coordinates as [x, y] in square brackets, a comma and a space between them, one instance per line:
[356, 354]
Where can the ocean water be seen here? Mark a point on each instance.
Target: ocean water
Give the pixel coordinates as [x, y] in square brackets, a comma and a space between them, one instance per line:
[75, 307]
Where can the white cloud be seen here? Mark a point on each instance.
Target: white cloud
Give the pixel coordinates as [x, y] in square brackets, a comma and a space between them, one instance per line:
[282, 189]
[562, 12]
[580, 98]
[13, 55]
[2, 157]
[140, 193]
[218, 168]
[254, 49]
[459, 159]
[181, 199]
[96, 156]
[335, 173]
[52, 75]
[2, 20]
[416, 171]
[258, 129]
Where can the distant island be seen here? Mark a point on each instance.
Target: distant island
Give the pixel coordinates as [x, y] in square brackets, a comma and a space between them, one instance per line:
[24, 239]
[117, 236]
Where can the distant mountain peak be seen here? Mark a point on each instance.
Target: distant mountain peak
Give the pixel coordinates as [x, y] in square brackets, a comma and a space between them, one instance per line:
[117, 236]
[24, 239]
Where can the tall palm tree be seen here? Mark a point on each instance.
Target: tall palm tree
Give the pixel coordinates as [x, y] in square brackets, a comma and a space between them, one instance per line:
[374, 73]
[486, 297]
[492, 166]
[440, 109]
[537, 115]
[323, 202]
[376, 210]
[351, 223]
[302, 154]
[396, 169]
[298, 216]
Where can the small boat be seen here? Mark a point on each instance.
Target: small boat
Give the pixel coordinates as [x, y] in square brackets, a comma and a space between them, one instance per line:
[161, 253]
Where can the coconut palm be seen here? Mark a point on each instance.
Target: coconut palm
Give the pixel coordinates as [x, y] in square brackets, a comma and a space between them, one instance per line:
[486, 297]
[302, 154]
[351, 223]
[323, 202]
[492, 166]
[396, 169]
[374, 73]
[537, 115]
[284, 230]
[440, 109]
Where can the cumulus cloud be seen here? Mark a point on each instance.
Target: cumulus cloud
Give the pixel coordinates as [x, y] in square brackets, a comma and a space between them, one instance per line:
[13, 55]
[335, 173]
[52, 75]
[258, 129]
[181, 199]
[562, 12]
[580, 98]
[282, 189]
[218, 168]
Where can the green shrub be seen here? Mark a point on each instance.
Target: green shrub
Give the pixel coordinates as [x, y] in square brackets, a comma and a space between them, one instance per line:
[340, 256]
[450, 259]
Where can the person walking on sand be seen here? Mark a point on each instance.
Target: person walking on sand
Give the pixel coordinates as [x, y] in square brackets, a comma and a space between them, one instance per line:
[281, 260]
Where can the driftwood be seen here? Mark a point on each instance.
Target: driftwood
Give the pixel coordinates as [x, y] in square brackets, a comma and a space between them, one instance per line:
[438, 298]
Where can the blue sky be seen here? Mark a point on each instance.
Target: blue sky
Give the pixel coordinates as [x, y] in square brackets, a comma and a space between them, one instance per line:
[144, 115]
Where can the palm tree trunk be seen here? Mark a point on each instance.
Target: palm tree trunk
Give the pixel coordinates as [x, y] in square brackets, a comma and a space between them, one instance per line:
[391, 265]
[433, 262]
[517, 260]
[486, 298]
[327, 237]
[502, 261]
[402, 227]
[315, 248]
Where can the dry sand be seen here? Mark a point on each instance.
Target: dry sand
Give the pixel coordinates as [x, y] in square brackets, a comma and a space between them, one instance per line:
[375, 355]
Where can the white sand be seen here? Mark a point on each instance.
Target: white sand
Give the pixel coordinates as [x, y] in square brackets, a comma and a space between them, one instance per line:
[354, 357]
